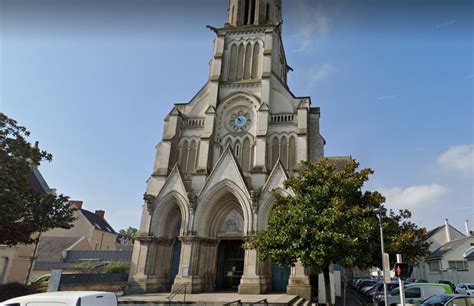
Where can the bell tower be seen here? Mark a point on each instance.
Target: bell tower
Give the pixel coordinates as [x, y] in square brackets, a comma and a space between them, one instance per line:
[254, 12]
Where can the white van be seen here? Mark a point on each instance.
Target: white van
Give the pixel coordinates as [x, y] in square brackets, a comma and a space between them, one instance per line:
[417, 292]
[64, 298]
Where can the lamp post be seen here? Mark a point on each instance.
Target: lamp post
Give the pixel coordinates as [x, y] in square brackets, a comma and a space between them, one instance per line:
[380, 212]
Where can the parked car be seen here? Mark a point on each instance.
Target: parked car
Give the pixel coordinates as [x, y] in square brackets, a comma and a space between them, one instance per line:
[65, 298]
[465, 289]
[421, 281]
[449, 300]
[377, 295]
[447, 283]
[369, 287]
[417, 292]
[365, 283]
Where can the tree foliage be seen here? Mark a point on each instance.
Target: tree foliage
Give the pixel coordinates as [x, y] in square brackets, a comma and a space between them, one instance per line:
[25, 211]
[130, 232]
[328, 219]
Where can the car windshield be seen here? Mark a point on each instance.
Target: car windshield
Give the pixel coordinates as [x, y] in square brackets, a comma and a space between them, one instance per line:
[395, 291]
[471, 286]
[437, 300]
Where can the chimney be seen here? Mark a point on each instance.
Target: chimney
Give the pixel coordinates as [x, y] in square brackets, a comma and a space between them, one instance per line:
[448, 233]
[466, 225]
[100, 213]
[78, 204]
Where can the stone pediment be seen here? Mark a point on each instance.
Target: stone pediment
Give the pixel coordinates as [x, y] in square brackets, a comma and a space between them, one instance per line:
[174, 183]
[276, 180]
[226, 169]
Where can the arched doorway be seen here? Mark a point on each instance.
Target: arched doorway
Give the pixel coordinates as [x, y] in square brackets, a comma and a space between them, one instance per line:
[166, 249]
[230, 252]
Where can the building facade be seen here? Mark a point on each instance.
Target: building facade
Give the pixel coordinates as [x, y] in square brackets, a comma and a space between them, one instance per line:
[220, 157]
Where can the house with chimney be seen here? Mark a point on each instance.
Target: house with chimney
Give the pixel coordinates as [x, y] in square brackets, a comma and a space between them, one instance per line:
[449, 258]
[91, 225]
[90, 232]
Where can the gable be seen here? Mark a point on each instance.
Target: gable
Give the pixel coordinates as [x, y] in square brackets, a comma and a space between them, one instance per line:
[174, 183]
[228, 169]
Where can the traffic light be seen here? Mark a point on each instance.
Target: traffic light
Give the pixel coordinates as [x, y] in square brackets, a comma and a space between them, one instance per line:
[402, 270]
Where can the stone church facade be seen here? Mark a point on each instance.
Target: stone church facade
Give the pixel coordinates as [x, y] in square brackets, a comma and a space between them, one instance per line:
[241, 136]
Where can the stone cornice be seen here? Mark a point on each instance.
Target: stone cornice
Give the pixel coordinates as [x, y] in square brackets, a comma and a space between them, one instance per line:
[241, 84]
[248, 29]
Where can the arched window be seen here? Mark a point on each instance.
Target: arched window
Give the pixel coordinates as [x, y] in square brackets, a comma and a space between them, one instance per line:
[240, 62]
[284, 152]
[248, 61]
[192, 157]
[246, 156]
[255, 58]
[237, 150]
[275, 151]
[233, 63]
[292, 153]
[183, 161]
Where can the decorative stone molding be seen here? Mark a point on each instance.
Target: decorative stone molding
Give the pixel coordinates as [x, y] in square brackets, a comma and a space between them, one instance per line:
[149, 202]
[154, 240]
[192, 197]
[255, 196]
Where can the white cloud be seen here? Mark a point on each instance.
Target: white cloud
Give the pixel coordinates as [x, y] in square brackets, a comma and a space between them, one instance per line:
[313, 22]
[458, 159]
[321, 72]
[445, 24]
[413, 197]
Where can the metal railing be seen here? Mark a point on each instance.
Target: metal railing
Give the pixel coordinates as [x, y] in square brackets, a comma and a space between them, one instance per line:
[176, 291]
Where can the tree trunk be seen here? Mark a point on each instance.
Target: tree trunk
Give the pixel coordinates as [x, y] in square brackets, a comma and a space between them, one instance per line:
[327, 286]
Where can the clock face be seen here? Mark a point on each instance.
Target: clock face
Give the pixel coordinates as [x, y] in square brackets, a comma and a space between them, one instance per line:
[240, 121]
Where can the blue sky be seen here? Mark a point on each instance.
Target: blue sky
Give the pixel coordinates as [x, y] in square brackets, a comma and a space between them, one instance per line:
[93, 81]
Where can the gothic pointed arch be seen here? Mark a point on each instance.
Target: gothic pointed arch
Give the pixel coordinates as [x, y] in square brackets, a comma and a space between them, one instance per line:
[275, 182]
[173, 193]
[225, 179]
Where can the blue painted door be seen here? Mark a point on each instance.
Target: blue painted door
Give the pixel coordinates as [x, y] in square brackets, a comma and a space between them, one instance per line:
[175, 261]
[280, 277]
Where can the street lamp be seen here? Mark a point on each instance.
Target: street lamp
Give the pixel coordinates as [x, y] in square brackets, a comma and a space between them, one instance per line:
[380, 212]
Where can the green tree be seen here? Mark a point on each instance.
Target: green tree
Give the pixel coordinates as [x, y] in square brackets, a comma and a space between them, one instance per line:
[25, 211]
[130, 232]
[329, 219]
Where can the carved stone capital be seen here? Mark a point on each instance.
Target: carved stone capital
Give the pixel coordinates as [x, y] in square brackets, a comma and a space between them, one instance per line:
[149, 202]
[192, 197]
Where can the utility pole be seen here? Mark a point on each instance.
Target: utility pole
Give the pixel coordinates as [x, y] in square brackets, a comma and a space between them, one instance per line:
[379, 212]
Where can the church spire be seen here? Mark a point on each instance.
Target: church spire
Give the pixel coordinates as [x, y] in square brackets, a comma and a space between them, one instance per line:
[253, 12]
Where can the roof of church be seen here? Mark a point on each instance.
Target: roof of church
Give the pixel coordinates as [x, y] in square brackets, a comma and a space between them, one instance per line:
[98, 222]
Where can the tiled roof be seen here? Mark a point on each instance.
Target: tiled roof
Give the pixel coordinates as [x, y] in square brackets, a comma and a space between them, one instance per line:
[55, 244]
[445, 248]
[433, 231]
[98, 222]
[340, 161]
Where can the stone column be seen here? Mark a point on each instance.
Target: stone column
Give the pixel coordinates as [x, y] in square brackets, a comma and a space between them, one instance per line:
[189, 265]
[299, 283]
[252, 281]
[159, 267]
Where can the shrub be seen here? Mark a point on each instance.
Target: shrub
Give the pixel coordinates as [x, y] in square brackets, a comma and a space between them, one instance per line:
[85, 267]
[117, 267]
[12, 290]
